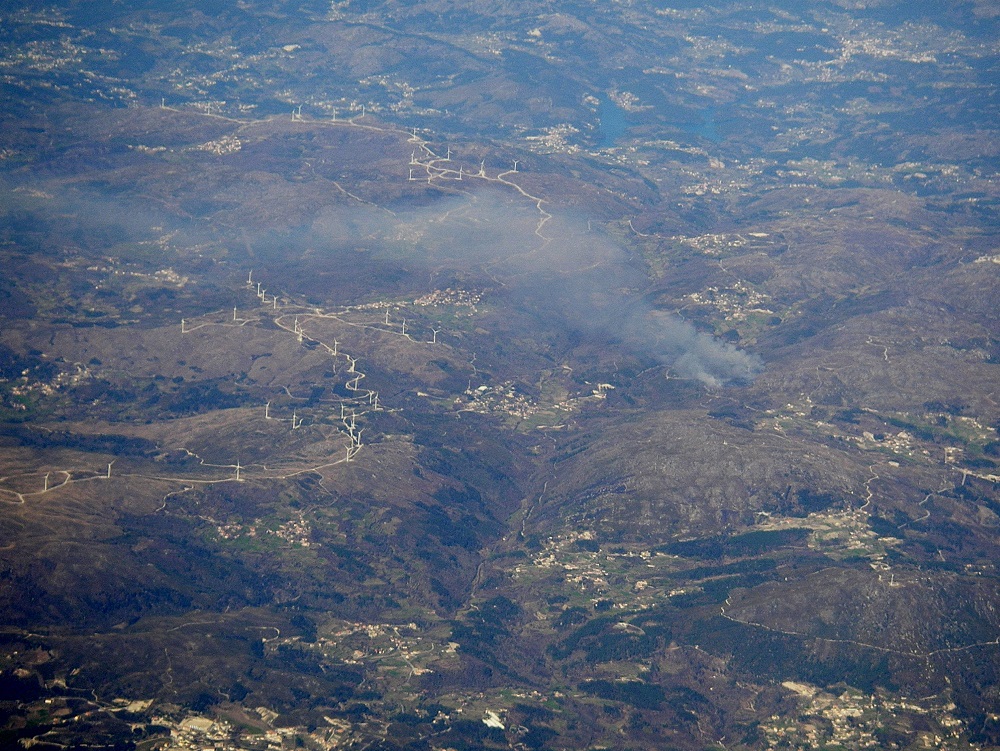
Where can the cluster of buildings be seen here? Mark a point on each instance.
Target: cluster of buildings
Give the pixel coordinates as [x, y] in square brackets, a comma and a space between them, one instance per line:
[852, 719]
[295, 531]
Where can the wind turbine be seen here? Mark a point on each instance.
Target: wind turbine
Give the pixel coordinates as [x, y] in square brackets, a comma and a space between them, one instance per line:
[516, 162]
[386, 316]
[238, 471]
[182, 327]
[250, 277]
[448, 158]
[109, 468]
[434, 336]
[234, 313]
[267, 411]
[482, 168]
[45, 485]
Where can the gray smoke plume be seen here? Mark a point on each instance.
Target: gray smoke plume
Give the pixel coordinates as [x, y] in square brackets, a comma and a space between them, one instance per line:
[578, 278]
